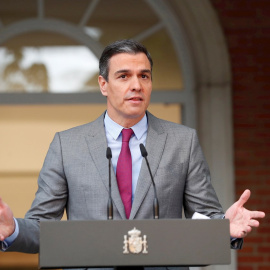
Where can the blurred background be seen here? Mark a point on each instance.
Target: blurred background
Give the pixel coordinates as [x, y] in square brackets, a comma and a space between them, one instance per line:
[211, 65]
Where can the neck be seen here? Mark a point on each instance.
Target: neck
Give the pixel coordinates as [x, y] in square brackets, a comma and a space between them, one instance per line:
[126, 122]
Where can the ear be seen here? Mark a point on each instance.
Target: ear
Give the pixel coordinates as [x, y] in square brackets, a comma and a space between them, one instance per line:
[102, 85]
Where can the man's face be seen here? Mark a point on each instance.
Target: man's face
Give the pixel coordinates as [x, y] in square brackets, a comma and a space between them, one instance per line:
[128, 89]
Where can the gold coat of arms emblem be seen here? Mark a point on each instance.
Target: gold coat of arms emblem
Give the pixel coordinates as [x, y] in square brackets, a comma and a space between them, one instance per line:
[135, 243]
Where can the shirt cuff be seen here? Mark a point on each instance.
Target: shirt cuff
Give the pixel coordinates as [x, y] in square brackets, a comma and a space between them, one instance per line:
[9, 240]
[236, 243]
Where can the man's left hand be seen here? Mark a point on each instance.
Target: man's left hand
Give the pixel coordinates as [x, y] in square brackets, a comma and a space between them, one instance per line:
[241, 219]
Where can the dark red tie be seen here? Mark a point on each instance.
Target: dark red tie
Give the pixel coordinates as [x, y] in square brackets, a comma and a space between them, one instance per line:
[124, 171]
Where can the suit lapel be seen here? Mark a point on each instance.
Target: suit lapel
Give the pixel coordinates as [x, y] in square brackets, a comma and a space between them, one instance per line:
[155, 142]
[97, 144]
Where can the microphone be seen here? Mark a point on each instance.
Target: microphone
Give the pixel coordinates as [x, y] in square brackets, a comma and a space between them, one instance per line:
[110, 204]
[155, 205]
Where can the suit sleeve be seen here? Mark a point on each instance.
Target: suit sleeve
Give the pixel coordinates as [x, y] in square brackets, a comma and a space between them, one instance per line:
[199, 194]
[49, 203]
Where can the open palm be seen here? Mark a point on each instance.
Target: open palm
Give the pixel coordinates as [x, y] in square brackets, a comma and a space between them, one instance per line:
[241, 219]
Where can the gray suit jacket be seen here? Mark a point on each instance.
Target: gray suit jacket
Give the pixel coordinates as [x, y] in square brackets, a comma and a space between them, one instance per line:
[75, 177]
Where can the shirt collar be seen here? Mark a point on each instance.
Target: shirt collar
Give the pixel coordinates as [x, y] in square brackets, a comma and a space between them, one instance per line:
[115, 129]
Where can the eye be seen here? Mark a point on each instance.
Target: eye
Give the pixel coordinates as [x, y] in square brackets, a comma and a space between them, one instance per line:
[144, 76]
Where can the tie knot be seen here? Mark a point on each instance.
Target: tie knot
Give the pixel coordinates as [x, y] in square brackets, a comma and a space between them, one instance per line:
[126, 134]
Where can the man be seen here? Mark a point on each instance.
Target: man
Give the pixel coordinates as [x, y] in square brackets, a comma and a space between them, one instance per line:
[74, 175]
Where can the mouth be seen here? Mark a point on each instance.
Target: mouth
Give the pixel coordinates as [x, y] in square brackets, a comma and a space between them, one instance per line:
[135, 99]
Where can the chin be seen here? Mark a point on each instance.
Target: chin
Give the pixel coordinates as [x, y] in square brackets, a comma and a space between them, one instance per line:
[135, 113]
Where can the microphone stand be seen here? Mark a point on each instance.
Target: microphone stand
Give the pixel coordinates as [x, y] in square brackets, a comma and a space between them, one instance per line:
[156, 204]
[110, 204]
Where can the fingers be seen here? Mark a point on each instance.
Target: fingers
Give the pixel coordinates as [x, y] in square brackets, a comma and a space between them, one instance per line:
[2, 203]
[242, 234]
[244, 197]
[257, 214]
[246, 229]
[254, 223]
[2, 238]
[245, 232]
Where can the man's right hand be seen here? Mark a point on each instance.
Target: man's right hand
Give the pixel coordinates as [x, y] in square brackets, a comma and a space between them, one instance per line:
[7, 224]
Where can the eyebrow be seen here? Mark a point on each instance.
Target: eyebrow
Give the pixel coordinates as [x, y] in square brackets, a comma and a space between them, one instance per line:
[127, 70]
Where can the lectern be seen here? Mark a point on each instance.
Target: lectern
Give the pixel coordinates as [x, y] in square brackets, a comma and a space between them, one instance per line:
[110, 243]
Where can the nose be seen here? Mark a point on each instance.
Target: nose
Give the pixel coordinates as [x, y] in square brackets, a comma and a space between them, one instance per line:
[135, 84]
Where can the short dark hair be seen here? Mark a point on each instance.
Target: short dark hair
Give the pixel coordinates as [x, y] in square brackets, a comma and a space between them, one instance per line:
[120, 46]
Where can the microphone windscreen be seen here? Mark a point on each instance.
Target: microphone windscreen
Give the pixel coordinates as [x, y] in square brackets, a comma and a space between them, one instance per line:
[143, 150]
[109, 153]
